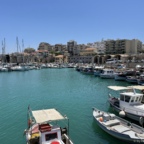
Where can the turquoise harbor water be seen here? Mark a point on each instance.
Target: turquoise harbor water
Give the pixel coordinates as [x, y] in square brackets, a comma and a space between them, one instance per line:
[71, 92]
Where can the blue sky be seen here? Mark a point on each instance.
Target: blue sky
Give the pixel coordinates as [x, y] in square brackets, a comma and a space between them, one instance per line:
[58, 21]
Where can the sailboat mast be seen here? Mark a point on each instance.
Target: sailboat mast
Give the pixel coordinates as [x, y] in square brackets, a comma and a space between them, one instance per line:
[3, 51]
[4, 46]
[22, 45]
[17, 43]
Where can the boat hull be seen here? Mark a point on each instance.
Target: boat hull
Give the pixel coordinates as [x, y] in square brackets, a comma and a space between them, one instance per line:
[107, 76]
[120, 78]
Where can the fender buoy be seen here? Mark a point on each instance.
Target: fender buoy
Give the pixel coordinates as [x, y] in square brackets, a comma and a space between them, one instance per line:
[28, 137]
[122, 113]
[101, 119]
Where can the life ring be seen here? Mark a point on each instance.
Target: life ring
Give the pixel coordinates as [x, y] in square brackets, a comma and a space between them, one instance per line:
[55, 142]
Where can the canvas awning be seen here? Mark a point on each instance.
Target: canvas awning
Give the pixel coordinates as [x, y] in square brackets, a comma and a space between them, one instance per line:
[139, 87]
[45, 115]
[117, 88]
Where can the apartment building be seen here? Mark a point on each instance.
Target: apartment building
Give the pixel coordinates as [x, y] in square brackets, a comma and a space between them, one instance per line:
[100, 45]
[60, 48]
[72, 47]
[123, 46]
[45, 46]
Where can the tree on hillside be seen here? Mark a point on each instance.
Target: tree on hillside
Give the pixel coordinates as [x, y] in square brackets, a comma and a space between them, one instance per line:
[29, 50]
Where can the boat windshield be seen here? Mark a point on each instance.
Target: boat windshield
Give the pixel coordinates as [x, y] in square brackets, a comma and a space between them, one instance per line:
[122, 97]
[125, 98]
[50, 136]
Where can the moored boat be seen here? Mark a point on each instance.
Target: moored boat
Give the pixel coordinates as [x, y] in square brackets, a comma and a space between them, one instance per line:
[140, 80]
[108, 73]
[118, 127]
[43, 127]
[98, 70]
[129, 103]
[87, 70]
[132, 79]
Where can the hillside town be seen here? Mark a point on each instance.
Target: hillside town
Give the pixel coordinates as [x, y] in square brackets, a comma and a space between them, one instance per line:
[123, 50]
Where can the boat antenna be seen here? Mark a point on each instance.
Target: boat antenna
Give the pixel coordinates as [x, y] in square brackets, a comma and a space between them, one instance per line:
[134, 91]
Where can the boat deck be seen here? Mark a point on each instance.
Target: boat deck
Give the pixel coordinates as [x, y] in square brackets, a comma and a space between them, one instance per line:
[111, 122]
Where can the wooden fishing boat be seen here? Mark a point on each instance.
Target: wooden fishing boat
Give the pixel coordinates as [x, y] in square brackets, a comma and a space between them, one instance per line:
[43, 127]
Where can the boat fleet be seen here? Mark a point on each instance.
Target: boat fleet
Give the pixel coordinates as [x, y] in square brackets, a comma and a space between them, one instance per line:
[33, 66]
[43, 125]
[119, 73]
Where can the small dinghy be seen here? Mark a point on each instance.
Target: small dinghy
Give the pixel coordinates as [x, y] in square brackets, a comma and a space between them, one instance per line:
[118, 127]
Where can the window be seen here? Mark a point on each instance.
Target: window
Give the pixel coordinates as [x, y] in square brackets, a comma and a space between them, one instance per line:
[127, 98]
[140, 99]
[132, 100]
[122, 97]
[50, 136]
[137, 98]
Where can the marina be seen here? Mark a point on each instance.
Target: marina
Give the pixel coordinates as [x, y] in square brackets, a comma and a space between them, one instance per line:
[67, 90]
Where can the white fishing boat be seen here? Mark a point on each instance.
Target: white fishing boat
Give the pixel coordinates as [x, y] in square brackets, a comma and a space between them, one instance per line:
[3, 69]
[128, 103]
[140, 80]
[44, 128]
[98, 70]
[108, 73]
[87, 70]
[118, 127]
[19, 68]
[122, 75]
[132, 79]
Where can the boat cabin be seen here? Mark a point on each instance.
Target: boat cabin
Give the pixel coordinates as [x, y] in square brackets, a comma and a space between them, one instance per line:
[130, 98]
[108, 71]
[50, 134]
[45, 134]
